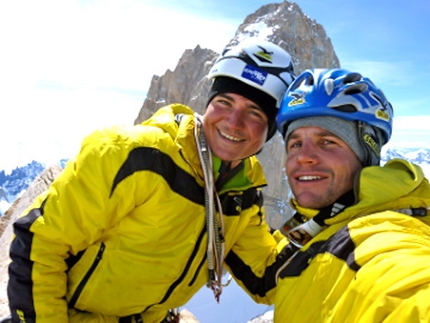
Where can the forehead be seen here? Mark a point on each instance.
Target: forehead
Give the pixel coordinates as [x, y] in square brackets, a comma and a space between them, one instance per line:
[311, 131]
[239, 98]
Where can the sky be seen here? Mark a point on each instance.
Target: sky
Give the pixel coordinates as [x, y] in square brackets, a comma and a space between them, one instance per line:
[68, 67]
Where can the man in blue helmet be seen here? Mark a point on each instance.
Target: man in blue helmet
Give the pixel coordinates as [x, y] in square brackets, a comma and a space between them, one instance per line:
[146, 215]
[360, 236]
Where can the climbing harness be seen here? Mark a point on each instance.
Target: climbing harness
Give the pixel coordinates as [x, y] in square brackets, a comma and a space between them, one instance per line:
[215, 229]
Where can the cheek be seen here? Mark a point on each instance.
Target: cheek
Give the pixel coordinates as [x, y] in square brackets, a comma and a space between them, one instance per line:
[259, 130]
[260, 138]
[208, 114]
[288, 164]
[349, 172]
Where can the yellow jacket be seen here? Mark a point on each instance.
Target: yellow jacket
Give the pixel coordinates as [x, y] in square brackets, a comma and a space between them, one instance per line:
[122, 231]
[371, 264]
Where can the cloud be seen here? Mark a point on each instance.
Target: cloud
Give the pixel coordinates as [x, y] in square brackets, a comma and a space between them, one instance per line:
[411, 131]
[105, 42]
[71, 66]
[410, 123]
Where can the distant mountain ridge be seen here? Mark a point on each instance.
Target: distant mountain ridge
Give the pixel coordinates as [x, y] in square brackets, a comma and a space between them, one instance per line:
[420, 156]
[13, 184]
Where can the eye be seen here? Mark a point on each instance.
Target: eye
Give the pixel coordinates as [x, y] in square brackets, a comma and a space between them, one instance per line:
[222, 101]
[257, 113]
[327, 142]
[331, 140]
[291, 144]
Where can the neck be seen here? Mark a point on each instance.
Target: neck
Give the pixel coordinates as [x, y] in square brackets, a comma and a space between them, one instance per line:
[337, 207]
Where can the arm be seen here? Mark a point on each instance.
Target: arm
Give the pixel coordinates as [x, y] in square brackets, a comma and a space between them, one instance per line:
[75, 212]
[257, 256]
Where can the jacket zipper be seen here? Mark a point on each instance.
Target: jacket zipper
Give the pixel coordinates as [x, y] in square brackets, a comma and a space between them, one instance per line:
[186, 269]
[87, 276]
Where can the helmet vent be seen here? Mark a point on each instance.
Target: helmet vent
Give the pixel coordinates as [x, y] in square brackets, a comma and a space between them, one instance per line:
[377, 98]
[346, 108]
[352, 77]
[356, 88]
[309, 81]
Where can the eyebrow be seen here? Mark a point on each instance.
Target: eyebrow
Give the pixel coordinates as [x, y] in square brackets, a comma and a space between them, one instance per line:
[321, 133]
[253, 105]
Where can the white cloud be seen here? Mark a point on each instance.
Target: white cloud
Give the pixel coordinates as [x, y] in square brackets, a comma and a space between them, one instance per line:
[418, 123]
[103, 42]
[411, 131]
[71, 66]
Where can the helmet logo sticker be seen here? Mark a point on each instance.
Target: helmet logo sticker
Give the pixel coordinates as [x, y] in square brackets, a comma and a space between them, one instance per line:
[299, 98]
[381, 114]
[264, 55]
[254, 74]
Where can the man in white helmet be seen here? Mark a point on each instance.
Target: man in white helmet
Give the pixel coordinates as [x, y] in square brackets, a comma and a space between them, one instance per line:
[360, 236]
[146, 215]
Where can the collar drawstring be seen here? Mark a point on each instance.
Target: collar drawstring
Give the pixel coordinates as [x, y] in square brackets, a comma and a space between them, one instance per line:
[215, 229]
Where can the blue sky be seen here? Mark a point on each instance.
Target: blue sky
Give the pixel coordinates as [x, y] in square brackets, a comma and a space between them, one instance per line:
[69, 66]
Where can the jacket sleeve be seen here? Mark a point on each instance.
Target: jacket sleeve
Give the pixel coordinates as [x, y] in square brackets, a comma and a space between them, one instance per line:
[77, 210]
[257, 255]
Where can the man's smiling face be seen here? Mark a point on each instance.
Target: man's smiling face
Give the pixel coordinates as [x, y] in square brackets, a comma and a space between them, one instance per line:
[320, 166]
[235, 127]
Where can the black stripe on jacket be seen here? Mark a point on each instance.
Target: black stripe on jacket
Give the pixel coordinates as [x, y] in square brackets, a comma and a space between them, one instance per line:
[151, 159]
[339, 245]
[20, 284]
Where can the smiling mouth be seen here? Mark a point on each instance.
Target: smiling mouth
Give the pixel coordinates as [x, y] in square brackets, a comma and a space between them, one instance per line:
[223, 134]
[309, 178]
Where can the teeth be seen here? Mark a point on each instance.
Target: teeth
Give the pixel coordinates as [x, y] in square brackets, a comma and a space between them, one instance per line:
[229, 137]
[309, 178]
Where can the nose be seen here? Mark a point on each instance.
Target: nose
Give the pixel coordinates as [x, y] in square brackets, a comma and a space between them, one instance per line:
[236, 118]
[307, 153]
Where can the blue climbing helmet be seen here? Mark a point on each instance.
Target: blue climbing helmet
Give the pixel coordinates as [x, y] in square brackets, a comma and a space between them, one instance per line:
[341, 94]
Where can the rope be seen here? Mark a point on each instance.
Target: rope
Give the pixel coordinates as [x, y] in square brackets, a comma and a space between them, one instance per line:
[215, 248]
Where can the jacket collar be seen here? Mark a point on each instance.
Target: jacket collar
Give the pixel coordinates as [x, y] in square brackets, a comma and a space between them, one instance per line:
[398, 184]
